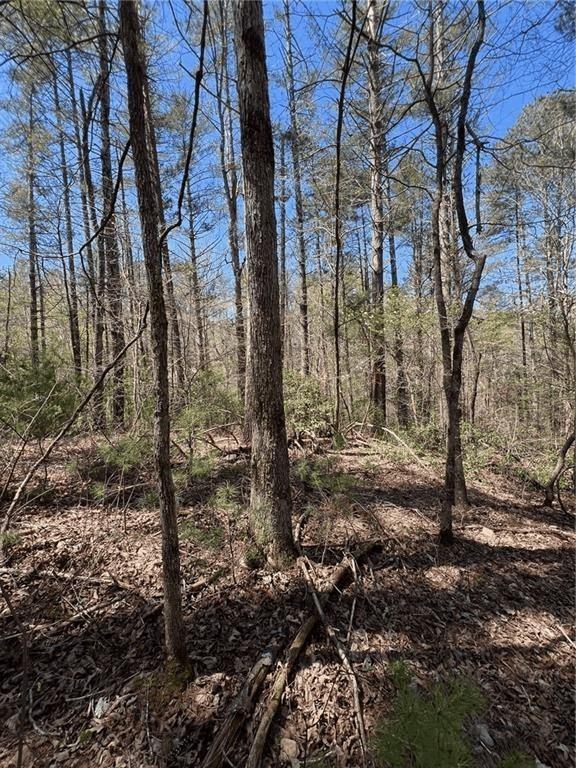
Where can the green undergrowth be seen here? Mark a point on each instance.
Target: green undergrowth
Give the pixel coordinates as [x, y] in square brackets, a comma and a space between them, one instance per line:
[430, 729]
[319, 473]
[208, 538]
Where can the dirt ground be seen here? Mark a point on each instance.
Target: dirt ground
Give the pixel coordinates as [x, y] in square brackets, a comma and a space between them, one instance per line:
[84, 577]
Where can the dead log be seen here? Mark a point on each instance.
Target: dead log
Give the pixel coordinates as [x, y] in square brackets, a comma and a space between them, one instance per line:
[282, 675]
[238, 713]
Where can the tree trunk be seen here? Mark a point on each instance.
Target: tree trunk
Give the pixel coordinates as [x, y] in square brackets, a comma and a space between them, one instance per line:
[283, 279]
[150, 222]
[270, 500]
[549, 487]
[375, 107]
[196, 291]
[230, 180]
[114, 288]
[402, 394]
[98, 281]
[296, 168]
[7, 321]
[72, 287]
[177, 354]
[32, 235]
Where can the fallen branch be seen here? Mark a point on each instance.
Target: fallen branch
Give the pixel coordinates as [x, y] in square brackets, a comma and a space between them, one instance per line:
[239, 711]
[340, 650]
[282, 675]
[61, 623]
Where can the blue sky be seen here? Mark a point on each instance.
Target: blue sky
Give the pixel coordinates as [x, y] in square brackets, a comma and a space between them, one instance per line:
[523, 58]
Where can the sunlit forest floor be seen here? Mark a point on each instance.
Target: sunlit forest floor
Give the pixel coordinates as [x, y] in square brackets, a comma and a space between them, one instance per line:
[84, 564]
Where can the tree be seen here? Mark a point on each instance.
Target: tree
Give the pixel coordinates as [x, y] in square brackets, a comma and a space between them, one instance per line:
[295, 144]
[270, 500]
[455, 492]
[146, 186]
[110, 235]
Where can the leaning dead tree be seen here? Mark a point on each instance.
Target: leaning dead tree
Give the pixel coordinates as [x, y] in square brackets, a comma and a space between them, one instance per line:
[558, 469]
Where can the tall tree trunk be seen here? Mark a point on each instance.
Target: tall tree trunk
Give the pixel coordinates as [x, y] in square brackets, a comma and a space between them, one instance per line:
[177, 354]
[402, 394]
[98, 280]
[283, 199]
[455, 493]
[230, 180]
[375, 107]
[297, 171]
[32, 234]
[150, 222]
[72, 287]
[270, 500]
[114, 288]
[195, 281]
[7, 321]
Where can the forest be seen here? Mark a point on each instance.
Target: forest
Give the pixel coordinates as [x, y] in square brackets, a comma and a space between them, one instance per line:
[287, 383]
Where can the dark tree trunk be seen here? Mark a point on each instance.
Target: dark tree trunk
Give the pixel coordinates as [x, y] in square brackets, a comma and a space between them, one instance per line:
[150, 223]
[270, 501]
[32, 234]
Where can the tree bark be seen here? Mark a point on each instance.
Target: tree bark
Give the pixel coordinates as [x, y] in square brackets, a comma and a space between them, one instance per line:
[375, 107]
[150, 222]
[270, 500]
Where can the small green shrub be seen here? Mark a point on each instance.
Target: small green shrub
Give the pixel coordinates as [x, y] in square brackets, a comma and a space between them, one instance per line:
[227, 498]
[128, 453]
[9, 539]
[211, 538]
[200, 467]
[427, 731]
[209, 403]
[316, 472]
[35, 399]
[307, 409]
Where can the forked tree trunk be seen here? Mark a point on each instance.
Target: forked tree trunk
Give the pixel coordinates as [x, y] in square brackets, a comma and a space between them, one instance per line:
[150, 221]
[455, 493]
[270, 500]
[549, 487]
